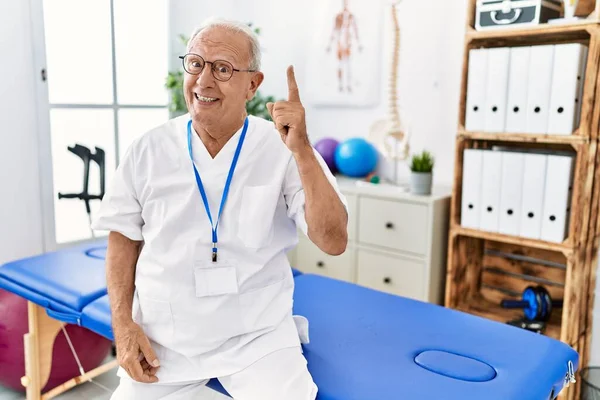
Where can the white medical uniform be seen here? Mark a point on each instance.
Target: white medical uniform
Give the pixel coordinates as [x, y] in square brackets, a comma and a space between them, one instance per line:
[206, 320]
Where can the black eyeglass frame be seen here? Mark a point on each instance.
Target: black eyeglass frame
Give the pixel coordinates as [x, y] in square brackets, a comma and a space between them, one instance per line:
[211, 68]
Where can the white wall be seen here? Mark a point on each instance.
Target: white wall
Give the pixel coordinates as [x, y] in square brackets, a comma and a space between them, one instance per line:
[429, 74]
[20, 194]
[186, 15]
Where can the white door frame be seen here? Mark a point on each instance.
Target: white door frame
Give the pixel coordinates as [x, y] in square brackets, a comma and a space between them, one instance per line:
[44, 135]
[44, 150]
[42, 107]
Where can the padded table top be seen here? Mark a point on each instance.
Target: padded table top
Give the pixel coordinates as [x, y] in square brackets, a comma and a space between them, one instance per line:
[363, 345]
[63, 281]
[96, 316]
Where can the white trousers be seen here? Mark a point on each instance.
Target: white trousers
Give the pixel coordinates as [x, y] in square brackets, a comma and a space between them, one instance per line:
[280, 375]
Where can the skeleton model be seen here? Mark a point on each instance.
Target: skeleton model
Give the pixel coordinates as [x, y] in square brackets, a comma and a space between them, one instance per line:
[388, 134]
[343, 30]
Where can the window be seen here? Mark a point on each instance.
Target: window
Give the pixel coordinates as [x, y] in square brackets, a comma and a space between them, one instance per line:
[106, 63]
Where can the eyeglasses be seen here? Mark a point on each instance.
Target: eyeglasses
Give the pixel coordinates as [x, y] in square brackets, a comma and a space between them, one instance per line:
[221, 70]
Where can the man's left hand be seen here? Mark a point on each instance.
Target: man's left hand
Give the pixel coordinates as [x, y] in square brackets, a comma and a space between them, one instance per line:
[289, 117]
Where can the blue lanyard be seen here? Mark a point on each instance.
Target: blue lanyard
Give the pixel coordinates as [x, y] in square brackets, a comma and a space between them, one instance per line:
[227, 184]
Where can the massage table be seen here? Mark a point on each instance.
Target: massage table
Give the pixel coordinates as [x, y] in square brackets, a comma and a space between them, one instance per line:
[364, 344]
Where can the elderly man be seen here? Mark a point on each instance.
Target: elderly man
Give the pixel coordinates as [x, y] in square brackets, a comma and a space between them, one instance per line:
[201, 212]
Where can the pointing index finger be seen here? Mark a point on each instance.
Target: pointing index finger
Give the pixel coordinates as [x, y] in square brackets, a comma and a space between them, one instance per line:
[293, 92]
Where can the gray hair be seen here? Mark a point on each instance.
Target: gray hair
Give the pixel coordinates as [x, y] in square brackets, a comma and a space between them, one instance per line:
[235, 26]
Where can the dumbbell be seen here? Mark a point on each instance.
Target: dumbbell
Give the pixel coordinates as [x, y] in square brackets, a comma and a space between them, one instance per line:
[536, 302]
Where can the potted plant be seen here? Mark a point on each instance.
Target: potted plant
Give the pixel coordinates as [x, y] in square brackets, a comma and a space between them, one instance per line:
[421, 168]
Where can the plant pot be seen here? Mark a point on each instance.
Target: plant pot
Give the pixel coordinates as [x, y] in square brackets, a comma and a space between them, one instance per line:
[420, 182]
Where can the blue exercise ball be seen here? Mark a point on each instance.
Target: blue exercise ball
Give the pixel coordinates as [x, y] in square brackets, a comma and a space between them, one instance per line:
[356, 157]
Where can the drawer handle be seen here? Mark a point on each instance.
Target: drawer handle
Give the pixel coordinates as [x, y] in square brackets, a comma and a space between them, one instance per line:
[387, 280]
[389, 225]
[320, 264]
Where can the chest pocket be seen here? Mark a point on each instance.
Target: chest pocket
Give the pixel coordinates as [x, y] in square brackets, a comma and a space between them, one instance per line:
[256, 215]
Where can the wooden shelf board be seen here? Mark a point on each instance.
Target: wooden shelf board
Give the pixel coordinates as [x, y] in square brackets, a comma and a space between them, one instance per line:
[482, 307]
[521, 241]
[524, 137]
[549, 32]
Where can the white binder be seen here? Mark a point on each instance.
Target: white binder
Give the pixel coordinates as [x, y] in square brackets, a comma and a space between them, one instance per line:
[490, 190]
[496, 89]
[532, 204]
[471, 188]
[557, 194]
[580, 85]
[511, 187]
[541, 64]
[518, 81]
[475, 102]
[565, 98]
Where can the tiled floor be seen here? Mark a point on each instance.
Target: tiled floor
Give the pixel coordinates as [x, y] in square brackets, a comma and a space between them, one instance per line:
[88, 390]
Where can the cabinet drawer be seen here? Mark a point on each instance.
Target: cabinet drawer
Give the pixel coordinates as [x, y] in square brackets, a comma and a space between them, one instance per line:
[389, 274]
[397, 225]
[310, 259]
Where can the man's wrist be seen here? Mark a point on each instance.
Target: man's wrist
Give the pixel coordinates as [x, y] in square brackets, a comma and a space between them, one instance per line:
[122, 324]
[122, 314]
[304, 154]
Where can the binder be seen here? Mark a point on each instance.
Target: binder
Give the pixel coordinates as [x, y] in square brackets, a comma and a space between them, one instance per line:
[490, 190]
[475, 104]
[534, 179]
[581, 85]
[511, 187]
[518, 81]
[496, 89]
[567, 79]
[541, 63]
[557, 194]
[471, 188]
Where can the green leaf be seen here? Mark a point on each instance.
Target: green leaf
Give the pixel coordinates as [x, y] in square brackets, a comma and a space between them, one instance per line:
[423, 162]
[258, 105]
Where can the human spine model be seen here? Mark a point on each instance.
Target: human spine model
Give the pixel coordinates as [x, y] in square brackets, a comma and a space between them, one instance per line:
[395, 116]
[390, 130]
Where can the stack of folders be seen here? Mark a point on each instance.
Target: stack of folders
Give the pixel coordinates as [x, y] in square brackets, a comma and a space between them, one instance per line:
[517, 192]
[529, 89]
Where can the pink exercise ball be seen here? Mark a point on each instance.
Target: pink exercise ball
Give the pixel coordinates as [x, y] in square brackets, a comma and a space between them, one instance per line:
[91, 348]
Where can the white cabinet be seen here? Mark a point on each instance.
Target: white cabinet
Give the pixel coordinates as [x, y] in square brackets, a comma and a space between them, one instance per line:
[311, 259]
[392, 224]
[391, 273]
[396, 242]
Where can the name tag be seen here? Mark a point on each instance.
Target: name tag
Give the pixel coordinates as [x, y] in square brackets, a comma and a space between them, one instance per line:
[215, 279]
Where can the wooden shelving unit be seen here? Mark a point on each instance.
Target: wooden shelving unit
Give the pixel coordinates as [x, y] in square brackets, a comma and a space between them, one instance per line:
[485, 267]
[564, 248]
[545, 32]
[573, 140]
[487, 309]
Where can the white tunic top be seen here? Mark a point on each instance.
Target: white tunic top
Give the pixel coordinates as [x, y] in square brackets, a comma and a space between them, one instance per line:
[206, 320]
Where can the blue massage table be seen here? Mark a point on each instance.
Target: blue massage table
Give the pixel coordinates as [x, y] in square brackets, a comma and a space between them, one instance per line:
[364, 344]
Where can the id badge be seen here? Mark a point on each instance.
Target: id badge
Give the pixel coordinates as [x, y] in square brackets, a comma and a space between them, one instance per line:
[215, 278]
